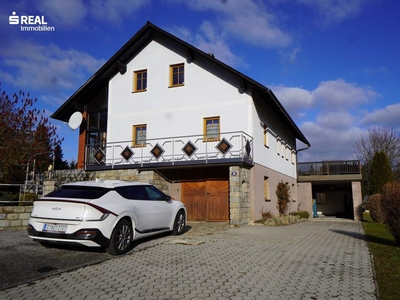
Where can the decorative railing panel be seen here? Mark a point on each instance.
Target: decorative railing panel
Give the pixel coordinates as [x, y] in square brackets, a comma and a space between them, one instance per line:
[329, 168]
[172, 150]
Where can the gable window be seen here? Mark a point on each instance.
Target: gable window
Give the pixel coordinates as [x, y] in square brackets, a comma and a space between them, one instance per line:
[139, 135]
[177, 75]
[211, 129]
[140, 81]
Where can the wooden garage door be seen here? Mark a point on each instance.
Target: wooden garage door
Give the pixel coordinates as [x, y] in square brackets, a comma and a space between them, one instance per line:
[206, 200]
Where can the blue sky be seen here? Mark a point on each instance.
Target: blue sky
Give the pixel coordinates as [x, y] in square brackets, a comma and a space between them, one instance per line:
[333, 64]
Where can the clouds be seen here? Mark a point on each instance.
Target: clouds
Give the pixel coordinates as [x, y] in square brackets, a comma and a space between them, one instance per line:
[334, 115]
[335, 11]
[75, 13]
[49, 68]
[247, 21]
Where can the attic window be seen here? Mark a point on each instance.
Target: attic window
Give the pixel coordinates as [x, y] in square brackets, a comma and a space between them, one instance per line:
[177, 75]
[140, 81]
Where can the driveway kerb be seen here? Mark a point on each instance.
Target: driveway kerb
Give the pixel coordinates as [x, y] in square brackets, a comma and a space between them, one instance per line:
[308, 260]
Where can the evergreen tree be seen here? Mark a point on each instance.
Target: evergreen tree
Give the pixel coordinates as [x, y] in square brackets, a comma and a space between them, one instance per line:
[59, 163]
[380, 173]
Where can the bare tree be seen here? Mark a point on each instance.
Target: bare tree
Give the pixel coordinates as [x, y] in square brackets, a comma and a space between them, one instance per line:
[379, 139]
[25, 133]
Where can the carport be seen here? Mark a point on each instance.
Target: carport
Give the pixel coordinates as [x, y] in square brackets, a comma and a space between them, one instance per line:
[335, 186]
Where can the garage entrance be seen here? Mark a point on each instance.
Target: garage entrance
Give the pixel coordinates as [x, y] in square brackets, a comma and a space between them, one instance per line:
[206, 200]
[204, 190]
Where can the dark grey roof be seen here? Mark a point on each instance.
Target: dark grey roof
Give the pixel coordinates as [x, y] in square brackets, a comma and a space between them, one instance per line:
[118, 62]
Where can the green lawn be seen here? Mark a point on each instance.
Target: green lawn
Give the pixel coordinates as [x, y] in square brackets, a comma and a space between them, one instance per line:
[386, 258]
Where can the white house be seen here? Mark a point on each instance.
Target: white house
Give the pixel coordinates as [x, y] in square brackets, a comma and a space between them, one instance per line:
[221, 140]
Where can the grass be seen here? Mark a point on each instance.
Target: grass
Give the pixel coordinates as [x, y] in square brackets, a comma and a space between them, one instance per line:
[386, 258]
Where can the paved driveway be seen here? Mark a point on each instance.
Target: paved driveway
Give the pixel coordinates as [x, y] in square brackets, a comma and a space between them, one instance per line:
[308, 260]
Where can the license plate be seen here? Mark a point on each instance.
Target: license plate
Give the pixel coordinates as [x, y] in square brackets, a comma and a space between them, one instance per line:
[55, 227]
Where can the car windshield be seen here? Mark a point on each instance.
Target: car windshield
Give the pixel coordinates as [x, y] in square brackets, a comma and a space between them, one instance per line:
[82, 192]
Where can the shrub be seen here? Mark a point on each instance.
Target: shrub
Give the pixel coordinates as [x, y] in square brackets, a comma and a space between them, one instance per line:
[302, 214]
[283, 194]
[265, 215]
[391, 208]
[375, 208]
[281, 220]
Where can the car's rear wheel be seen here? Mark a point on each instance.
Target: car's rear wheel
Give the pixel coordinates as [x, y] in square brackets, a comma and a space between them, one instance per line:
[121, 238]
[180, 223]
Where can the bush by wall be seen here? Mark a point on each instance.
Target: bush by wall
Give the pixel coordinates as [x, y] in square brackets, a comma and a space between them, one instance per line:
[281, 220]
[375, 208]
[390, 204]
[301, 214]
[283, 194]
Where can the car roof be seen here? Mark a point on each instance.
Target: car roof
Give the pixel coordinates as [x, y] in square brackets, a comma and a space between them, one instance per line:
[105, 183]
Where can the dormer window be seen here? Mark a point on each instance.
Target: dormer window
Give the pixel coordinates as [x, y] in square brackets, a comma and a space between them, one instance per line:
[140, 81]
[177, 75]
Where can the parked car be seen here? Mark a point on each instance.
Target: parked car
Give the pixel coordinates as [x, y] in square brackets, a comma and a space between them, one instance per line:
[105, 213]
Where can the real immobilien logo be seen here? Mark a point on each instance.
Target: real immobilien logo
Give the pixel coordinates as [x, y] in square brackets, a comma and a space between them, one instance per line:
[30, 23]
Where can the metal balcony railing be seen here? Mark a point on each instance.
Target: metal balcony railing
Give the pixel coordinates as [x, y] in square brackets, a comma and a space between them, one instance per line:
[236, 146]
[329, 168]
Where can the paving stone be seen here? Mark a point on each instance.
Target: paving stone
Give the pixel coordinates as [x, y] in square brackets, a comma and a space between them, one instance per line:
[308, 260]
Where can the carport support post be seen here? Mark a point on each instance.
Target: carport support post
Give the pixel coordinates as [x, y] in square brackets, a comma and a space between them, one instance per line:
[357, 199]
[239, 195]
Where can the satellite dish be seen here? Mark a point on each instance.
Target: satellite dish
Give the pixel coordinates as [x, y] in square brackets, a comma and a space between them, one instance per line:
[75, 120]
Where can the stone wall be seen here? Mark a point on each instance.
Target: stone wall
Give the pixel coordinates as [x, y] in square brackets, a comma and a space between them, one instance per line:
[14, 218]
[239, 190]
[127, 174]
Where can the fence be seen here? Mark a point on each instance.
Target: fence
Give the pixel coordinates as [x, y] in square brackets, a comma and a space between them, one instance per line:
[20, 194]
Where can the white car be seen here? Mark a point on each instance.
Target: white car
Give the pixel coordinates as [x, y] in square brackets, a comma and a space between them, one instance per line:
[105, 213]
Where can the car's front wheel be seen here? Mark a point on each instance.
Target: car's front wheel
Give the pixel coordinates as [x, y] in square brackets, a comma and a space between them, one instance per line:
[121, 238]
[180, 223]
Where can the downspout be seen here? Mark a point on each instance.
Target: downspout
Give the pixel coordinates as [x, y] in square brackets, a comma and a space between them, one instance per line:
[297, 169]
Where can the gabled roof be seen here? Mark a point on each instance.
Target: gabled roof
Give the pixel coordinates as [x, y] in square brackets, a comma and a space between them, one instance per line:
[117, 63]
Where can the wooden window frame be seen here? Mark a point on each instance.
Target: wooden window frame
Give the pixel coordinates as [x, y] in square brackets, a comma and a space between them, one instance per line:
[206, 139]
[135, 81]
[171, 74]
[135, 142]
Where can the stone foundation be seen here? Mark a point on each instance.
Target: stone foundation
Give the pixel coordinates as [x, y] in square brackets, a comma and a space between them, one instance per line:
[14, 218]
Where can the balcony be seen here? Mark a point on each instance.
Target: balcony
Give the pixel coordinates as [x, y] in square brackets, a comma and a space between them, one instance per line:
[231, 148]
[329, 170]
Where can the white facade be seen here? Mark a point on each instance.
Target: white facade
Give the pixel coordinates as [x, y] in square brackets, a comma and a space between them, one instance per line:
[208, 91]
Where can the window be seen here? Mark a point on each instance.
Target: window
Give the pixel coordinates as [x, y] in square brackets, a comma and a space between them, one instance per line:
[155, 194]
[293, 157]
[266, 138]
[139, 135]
[321, 198]
[266, 189]
[132, 192]
[140, 81]
[177, 75]
[278, 146]
[211, 129]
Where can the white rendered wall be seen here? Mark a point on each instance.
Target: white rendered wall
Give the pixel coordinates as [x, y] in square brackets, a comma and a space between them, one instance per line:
[176, 111]
[179, 111]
